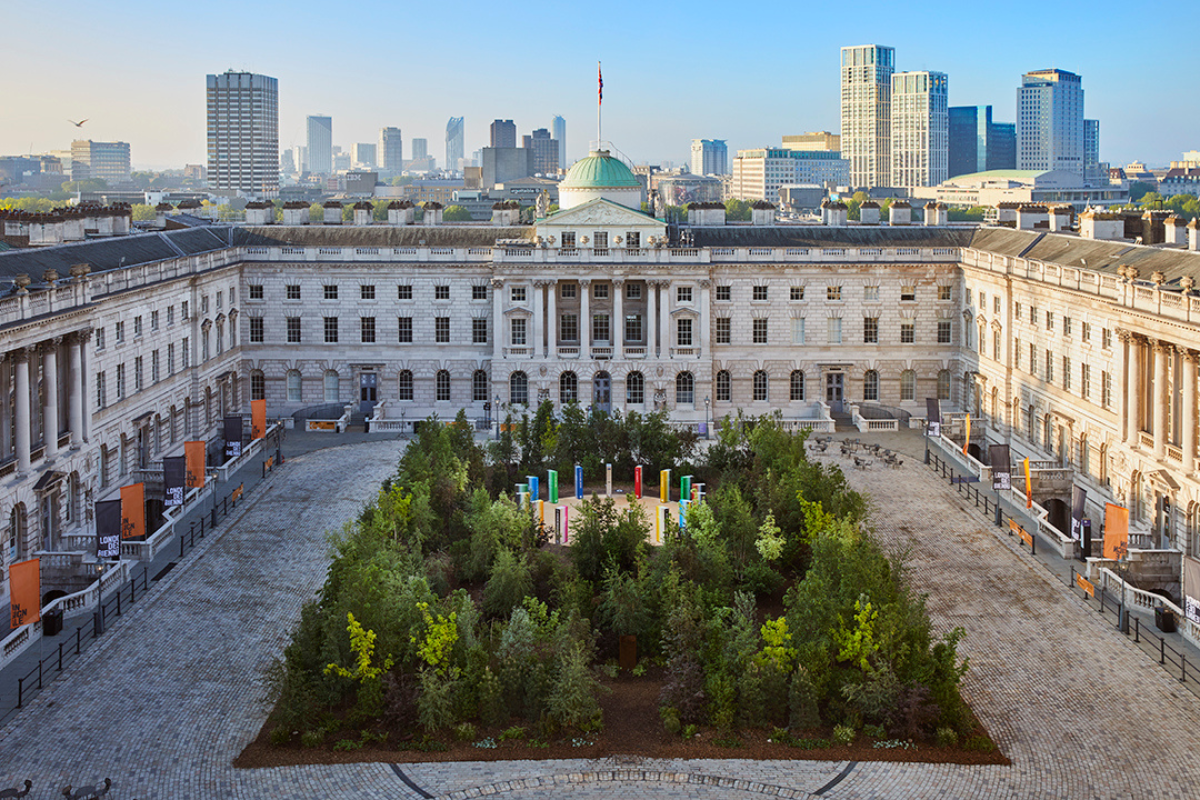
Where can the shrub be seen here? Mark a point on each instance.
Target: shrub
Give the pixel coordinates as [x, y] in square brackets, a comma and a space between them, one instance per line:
[946, 736]
[843, 734]
[311, 739]
[508, 587]
[722, 706]
[515, 732]
[435, 704]
[875, 731]
[572, 700]
[979, 744]
[670, 720]
[280, 735]
[492, 707]
[802, 702]
[751, 697]
[464, 731]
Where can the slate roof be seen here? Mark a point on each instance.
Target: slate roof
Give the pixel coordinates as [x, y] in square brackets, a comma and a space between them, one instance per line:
[815, 236]
[112, 253]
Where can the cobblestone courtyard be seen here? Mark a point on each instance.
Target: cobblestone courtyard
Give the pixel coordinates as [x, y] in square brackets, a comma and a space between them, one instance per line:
[168, 698]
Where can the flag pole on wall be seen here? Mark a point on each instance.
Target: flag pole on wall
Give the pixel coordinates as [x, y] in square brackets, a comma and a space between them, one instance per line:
[599, 101]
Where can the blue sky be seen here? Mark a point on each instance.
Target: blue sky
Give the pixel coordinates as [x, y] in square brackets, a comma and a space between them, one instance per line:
[748, 73]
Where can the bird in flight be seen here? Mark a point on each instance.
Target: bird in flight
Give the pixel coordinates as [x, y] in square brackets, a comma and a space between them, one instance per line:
[77, 124]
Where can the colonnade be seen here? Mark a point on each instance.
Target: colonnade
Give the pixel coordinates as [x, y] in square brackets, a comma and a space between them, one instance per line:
[31, 421]
[1158, 396]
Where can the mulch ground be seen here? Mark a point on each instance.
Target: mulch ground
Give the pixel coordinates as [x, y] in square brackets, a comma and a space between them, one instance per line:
[632, 728]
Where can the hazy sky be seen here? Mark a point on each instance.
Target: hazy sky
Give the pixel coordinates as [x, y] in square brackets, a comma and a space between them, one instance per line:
[748, 73]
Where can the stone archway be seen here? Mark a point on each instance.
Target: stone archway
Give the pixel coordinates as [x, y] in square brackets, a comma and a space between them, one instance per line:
[1058, 514]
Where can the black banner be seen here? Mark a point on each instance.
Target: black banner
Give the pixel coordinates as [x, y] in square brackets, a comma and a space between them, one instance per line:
[1001, 468]
[233, 437]
[174, 480]
[1078, 503]
[108, 529]
[933, 417]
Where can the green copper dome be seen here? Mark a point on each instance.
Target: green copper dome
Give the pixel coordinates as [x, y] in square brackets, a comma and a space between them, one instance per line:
[599, 171]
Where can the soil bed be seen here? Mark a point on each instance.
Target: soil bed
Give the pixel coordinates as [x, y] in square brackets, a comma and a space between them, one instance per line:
[632, 728]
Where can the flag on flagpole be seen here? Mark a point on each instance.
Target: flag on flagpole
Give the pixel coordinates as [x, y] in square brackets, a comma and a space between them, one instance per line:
[967, 437]
[600, 79]
[1028, 487]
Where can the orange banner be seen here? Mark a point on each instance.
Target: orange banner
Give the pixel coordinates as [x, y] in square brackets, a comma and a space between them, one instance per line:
[25, 593]
[967, 437]
[1028, 487]
[1116, 531]
[194, 451]
[133, 510]
[258, 419]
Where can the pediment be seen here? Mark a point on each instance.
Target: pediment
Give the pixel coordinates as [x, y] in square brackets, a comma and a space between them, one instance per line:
[601, 213]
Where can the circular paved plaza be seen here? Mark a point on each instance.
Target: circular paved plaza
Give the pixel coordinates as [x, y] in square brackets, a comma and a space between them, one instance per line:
[167, 699]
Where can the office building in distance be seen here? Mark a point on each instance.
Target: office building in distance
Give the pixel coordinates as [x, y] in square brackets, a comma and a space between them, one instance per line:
[320, 145]
[504, 133]
[920, 128]
[977, 143]
[558, 128]
[454, 144]
[710, 157]
[106, 161]
[243, 134]
[1050, 129]
[391, 150]
[545, 152]
[866, 92]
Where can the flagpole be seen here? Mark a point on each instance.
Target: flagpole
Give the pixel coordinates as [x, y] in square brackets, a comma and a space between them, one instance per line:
[599, 103]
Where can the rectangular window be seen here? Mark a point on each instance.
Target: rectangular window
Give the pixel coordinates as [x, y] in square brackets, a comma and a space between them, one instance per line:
[517, 332]
[405, 325]
[798, 330]
[441, 330]
[1017, 354]
[170, 315]
[256, 291]
[120, 381]
[1066, 326]
[516, 294]
[1085, 381]
[404, 292]
[1032, 358]
[185, 352]
[137, 374]
[684, 332]
[441, 292]
[944, 293]
[331, 292]
[683, 294]
[220, 295]
[871, 294]
[600, 240]
[833, 328]
[153, 320]
[759, 331]
[120, 332]
[1085, 331]
[599, 291]
[293, 291]
[908, 293]
[1106, 390]
[633, 291]
[982, 297]
[908, 333]
[331, 330]
[256, 329]
[1049, 367]
[996, 305]
[722, 330]
[871, 330]
[1033, 316]
[1106, 338]
[996, 345]
[479, 292]
[367, 330]
[568, 330]
[724, 293]
[600, 331]
[833, 293]
[479, 331]
[633, 328]
[968, 296]
[155, 377]
[944, 333]
[568, 241]
[1017, 310]
[568, 291]
[183, 310]
[1049, 321]
[204, 304]
[759, 293]
[1066, 373]
[633, 239]
[171, 359]
[101, 394]
[99, 338]
[366, 292]
[293, 330]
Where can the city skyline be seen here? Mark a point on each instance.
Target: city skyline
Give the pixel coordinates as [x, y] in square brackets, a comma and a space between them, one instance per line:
[163, 120]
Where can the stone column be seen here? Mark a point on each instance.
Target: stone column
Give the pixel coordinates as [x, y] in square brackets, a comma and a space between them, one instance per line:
[585, 319]
[539, 291]
[1189, 411]
[552, 320]
[50, 424]
[500, 334]
[617, 337]
[23, 433]
[651, 317]
[1162, 353]
[85, 384]
[705, 316]
[664, 319]
[1133, 389]
[1122, 380]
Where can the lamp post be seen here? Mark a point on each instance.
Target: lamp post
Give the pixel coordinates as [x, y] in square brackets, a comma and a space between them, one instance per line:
[403, 413]
[496, 405]
[706, 418]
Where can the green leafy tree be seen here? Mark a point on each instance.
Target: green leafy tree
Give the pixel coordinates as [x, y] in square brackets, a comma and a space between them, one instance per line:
[456, 213]
[737, 210]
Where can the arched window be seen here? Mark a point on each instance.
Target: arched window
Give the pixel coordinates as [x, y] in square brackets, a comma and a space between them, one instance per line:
[724, 387]
[518, 389]
[908, 385]
[797, 392]
[943, 387]
[405, 385]
[331, 387]
[568, 388]
[635, 388]
[293, 386]
[479, 386]
[17, 531]
[760, 385]
[1085, 455]
[871, 385]
[685, 389]
[258, 385]
[443, 385]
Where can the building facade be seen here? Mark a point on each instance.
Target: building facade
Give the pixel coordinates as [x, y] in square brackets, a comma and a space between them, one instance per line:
[710, 157]
[391, 150]
[867, 113]
[503, 133]
[758, 174]
[363, 156]
[818, 141]
[243, 134]
[558, 128]
[320, 145]
[544, 152]
[454, 143]
[106, 161]
[1050, 129]
[1091, 152]
[978, 144]
[920, 129]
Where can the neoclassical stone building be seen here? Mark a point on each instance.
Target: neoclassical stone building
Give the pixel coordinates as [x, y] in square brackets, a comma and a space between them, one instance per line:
[1075, 351]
